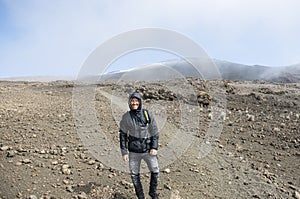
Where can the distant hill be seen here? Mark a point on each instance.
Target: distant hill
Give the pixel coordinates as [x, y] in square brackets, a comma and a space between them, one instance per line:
[227, 70]
[38, 78]
[181, 68]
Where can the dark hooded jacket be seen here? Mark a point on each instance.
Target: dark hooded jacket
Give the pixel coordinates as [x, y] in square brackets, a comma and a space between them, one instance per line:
[137, 134]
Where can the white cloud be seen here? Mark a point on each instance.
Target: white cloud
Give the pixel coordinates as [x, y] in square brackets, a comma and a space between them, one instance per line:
[57, 36]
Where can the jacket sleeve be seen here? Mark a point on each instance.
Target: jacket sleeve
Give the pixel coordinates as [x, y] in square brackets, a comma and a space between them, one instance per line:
[123, 142]
[154, 135]
[123, 136]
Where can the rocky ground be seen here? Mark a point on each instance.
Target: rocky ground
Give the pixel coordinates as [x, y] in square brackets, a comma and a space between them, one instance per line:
[257, 154]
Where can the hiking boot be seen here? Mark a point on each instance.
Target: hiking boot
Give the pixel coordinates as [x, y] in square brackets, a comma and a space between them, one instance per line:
[137, 186]
[153, 185]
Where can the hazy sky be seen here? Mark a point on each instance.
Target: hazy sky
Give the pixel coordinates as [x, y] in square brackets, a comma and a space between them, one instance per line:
[55, 37]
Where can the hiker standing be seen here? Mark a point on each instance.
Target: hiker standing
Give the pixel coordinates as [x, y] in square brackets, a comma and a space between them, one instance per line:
[139, 141]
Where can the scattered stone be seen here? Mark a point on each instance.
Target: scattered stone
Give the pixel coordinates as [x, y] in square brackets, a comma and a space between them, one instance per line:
[82, 195]
[65, 169]
[250, 117]
[91, 162]
[26, 161]
[296, 195]
[293, 187]
[65, 166]
[69, 188]
[64, 150]
[167, 170]
[53, 152]
[82, 156]
[32, 197]
[55, 162]
[4, 148]
[126, 184]
[21, 150]
[195, 170]
[42, 152]
[18, 163]
[282, 125]
[10, 154]
[166, 186]
[112, 175]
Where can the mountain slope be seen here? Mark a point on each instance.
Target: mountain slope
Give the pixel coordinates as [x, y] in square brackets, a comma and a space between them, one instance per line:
[226, 70]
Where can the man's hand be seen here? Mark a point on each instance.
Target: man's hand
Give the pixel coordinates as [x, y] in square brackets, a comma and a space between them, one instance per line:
[125, 158]
[153, 152]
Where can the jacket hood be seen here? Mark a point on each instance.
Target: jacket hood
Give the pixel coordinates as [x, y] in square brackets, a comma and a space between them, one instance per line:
[137, 96]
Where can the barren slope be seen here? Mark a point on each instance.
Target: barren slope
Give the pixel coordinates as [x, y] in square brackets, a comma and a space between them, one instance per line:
[256, 156]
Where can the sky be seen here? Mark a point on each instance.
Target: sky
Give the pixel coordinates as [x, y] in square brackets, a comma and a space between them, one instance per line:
[55, 37]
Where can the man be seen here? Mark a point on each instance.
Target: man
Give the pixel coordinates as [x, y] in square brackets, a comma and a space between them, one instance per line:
[139, 141]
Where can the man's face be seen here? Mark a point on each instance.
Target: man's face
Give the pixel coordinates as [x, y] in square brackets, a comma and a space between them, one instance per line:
[134, 103]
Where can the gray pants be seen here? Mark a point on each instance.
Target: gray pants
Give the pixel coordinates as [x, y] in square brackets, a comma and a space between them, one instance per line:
[135, 162]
